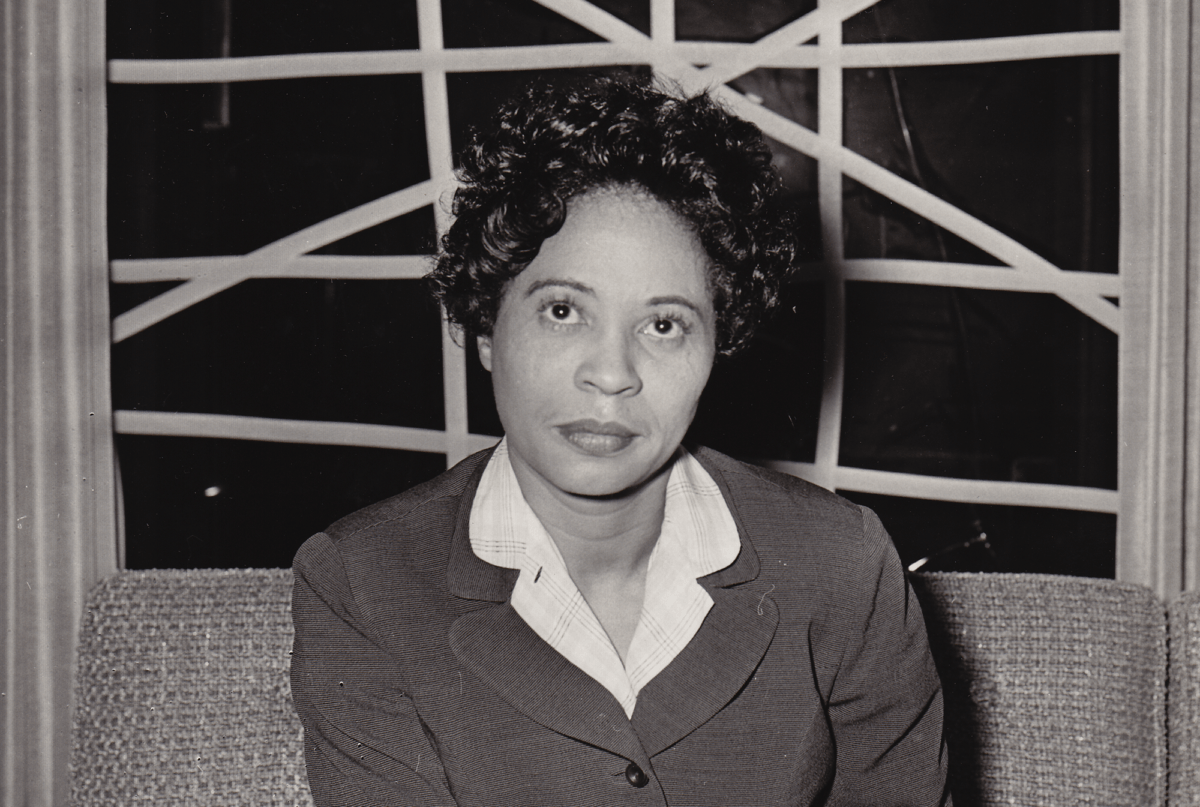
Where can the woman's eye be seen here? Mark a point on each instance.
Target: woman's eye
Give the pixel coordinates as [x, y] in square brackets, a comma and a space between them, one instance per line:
[561, 313]
[666, 328]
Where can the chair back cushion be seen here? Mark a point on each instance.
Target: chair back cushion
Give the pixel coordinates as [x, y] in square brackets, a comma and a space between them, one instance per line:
[1183, 718]
[1054, 687]
[1055, 690]
[182, 697]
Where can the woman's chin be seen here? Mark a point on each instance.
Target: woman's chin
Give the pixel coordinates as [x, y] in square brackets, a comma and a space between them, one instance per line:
[609, 483]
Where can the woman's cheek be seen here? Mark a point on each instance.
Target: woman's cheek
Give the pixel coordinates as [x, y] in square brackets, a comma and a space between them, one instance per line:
[548, 358]
[699, 357]
[684, 373]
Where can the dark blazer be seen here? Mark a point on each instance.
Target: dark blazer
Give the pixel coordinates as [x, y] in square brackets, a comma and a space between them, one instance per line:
[809, 682]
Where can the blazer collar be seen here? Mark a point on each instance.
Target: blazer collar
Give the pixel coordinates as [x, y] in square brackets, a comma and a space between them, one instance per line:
[468, 576]
[471, 578]
[745, 567]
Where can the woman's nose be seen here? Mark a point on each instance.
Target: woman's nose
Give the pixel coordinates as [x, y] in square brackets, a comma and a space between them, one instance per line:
[609, 367]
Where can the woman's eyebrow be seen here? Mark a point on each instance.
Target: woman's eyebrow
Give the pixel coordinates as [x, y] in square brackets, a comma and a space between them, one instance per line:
[676, 300]
[583, 288]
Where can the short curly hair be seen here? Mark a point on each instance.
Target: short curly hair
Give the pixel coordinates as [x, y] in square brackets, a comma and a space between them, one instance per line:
[553, 144]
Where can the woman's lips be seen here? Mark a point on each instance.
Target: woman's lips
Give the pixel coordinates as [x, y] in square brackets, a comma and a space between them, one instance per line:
[596, 438]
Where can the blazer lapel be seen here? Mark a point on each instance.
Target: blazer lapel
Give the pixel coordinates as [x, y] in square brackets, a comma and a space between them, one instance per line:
[710, 671]
[506, 654]
[723, 654]
[532, 677]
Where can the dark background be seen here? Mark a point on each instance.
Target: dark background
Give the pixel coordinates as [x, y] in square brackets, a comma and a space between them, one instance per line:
[953, 382]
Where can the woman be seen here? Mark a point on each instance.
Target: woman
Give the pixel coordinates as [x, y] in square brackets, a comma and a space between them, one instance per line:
[589, 613]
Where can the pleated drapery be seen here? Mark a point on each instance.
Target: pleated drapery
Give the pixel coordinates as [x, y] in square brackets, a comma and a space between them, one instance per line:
[58, 533]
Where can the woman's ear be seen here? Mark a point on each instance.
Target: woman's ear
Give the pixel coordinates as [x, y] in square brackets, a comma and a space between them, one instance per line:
[484, 344]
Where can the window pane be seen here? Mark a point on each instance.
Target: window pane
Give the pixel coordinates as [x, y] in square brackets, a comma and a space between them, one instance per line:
[978, 385]
[1029, 148]
[511, 23]
[875, 226]
[295, 152]
[265, 27]
[166, 29]
[932, 20]
[704, 20]
[362, 351]
[1017, 539]
[791, 93]
[204, 503]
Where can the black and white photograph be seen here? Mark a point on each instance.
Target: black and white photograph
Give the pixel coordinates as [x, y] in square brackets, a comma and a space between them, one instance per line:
[559, 403]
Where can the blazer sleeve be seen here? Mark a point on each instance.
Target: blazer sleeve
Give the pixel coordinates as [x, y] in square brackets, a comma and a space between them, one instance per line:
[364, 742]
[885, 707]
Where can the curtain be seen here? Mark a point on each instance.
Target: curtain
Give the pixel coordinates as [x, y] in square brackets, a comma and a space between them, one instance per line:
[57, 505]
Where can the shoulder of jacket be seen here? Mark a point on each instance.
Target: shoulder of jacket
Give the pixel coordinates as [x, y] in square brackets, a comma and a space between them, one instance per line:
[445, 489]
[745, 480]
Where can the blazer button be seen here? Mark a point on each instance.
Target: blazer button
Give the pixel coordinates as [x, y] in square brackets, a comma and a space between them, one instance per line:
[636, 776]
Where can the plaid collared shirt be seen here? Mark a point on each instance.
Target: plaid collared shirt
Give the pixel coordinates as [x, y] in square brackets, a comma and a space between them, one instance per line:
[699, 536]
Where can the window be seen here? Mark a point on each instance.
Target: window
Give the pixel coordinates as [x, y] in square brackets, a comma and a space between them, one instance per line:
[950, 353]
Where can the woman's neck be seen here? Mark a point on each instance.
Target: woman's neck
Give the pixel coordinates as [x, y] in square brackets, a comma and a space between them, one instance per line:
[599, 536]
[605, 543]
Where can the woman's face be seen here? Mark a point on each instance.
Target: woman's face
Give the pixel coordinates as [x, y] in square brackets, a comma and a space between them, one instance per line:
[602, 346]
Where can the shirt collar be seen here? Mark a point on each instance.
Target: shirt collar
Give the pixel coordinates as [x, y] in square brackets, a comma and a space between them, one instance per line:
[503, 526]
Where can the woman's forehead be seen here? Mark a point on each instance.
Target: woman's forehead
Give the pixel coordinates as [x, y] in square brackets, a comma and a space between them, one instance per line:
[622, 241]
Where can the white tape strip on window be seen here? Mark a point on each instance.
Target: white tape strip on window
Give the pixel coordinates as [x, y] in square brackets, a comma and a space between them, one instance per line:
[972, 491]
[266, 261]
[278, 430]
